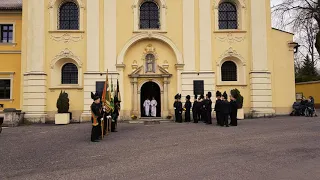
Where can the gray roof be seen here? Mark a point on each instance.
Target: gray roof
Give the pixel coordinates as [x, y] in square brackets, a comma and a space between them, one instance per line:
[10, 4]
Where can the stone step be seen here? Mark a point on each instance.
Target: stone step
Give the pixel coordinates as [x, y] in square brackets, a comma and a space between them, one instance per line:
[147, 121]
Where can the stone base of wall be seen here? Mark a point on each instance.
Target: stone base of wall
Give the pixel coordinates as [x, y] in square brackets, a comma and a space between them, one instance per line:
[13, 118]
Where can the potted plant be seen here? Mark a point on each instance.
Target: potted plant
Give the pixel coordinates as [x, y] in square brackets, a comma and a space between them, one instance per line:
[239, 98]
[63, 115]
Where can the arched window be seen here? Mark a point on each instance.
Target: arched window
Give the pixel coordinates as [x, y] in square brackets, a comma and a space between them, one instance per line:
[228, 18]
[69, 74]
[150, 63]
[149, 15]
[229, 71]
[69, 16]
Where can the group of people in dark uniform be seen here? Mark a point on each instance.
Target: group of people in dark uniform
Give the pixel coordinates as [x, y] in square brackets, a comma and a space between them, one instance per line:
[202, 109]
[100, 117]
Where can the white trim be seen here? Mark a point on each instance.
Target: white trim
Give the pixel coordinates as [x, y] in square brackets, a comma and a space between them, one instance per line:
[13, 32]
[110, 35]
[241, 7]
[11, 87]
[136, 15]
[64, 57]
[241, 72]
[53, 7]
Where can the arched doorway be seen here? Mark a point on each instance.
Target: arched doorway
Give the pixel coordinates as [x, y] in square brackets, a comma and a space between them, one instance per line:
[149, 90]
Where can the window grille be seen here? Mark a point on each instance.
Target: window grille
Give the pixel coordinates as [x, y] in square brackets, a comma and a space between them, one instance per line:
[69, 16]
[149, 15]
[228, 18]
[229, 71]
[69, 74]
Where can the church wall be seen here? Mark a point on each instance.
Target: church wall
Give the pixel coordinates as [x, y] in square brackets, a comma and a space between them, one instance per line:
[63, 46]
[283, 72]
[10, 59]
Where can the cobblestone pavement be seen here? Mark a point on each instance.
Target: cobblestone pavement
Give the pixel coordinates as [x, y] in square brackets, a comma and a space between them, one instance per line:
[261, 149]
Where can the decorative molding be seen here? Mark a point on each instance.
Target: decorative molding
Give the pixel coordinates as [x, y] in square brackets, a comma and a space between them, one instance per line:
[134, 65]
[238, 2]
[66, 53]
[66, 38]
[142, 36]
[52, 2]
[165, 65]
[231, 39]
[149, 50]
[232, 53]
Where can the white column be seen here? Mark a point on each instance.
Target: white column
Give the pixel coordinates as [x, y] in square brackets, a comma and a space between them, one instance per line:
[259, 36]
[188, 35]
[110, 32]
[260, 77]
[35, 79]
[205, 35]
[93, 36]
[35, 39]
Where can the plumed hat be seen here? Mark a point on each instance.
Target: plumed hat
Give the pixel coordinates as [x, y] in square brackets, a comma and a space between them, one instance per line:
[201, 96]
[188, 97]
[179, 96]
[225, 95]
[176, 96]
[209, 94]
[94, 96]
[195, 96]
[218, 94]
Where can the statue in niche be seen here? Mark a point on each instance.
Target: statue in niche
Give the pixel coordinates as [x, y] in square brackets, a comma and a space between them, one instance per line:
[150, 63]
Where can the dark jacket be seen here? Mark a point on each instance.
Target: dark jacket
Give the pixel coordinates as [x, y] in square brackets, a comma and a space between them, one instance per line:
[218, 105]
[96, 113]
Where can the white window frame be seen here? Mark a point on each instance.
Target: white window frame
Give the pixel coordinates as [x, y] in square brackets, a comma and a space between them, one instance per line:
[241, 7]
[11, 85]
[13, 32]
[54, 8]
[162, 19]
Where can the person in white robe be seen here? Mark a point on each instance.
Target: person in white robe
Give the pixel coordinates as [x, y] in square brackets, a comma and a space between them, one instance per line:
[146, 106]
[153, 107]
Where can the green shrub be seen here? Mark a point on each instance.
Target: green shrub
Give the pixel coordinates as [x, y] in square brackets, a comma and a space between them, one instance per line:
[63, 103]
[239, 98]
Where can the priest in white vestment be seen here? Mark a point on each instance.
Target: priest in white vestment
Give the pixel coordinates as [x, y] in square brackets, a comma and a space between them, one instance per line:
[153, 107]
[146, 106]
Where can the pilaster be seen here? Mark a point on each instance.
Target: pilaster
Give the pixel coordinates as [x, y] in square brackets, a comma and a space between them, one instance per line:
[205, 35]
[93, 37]
[166, 83]
[260, 77]
[189, 35]
[35, 79]
[110, 32]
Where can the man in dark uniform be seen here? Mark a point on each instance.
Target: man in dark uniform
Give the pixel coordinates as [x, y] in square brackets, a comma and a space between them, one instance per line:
[209, 108]
[204, 105]
[218, 108]
[225, 110]
[178, 108]
[96, 118]
[199, 108]
[233, 109]
[194, 110]
[115, 115]
[187, 106]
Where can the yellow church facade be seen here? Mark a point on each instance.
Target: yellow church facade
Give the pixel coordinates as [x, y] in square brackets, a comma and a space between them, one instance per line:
[154, 48]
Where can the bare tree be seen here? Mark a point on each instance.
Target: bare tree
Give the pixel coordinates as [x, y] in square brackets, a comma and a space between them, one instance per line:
[307, 39]
[295, 14]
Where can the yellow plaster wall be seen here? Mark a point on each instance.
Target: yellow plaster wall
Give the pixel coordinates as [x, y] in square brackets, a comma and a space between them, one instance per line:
[53, 48]
[11, 62]
[309, 89]
[135, 52]
[283, 82]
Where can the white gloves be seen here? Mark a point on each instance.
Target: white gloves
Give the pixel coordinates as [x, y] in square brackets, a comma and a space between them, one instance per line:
[108, 117]
[104, 108]
[101, 119]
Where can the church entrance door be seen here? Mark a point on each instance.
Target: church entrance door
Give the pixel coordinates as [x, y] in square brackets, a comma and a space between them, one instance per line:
[150, 90]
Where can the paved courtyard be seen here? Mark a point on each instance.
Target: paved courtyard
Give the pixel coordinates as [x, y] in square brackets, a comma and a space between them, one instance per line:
[270, 149]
